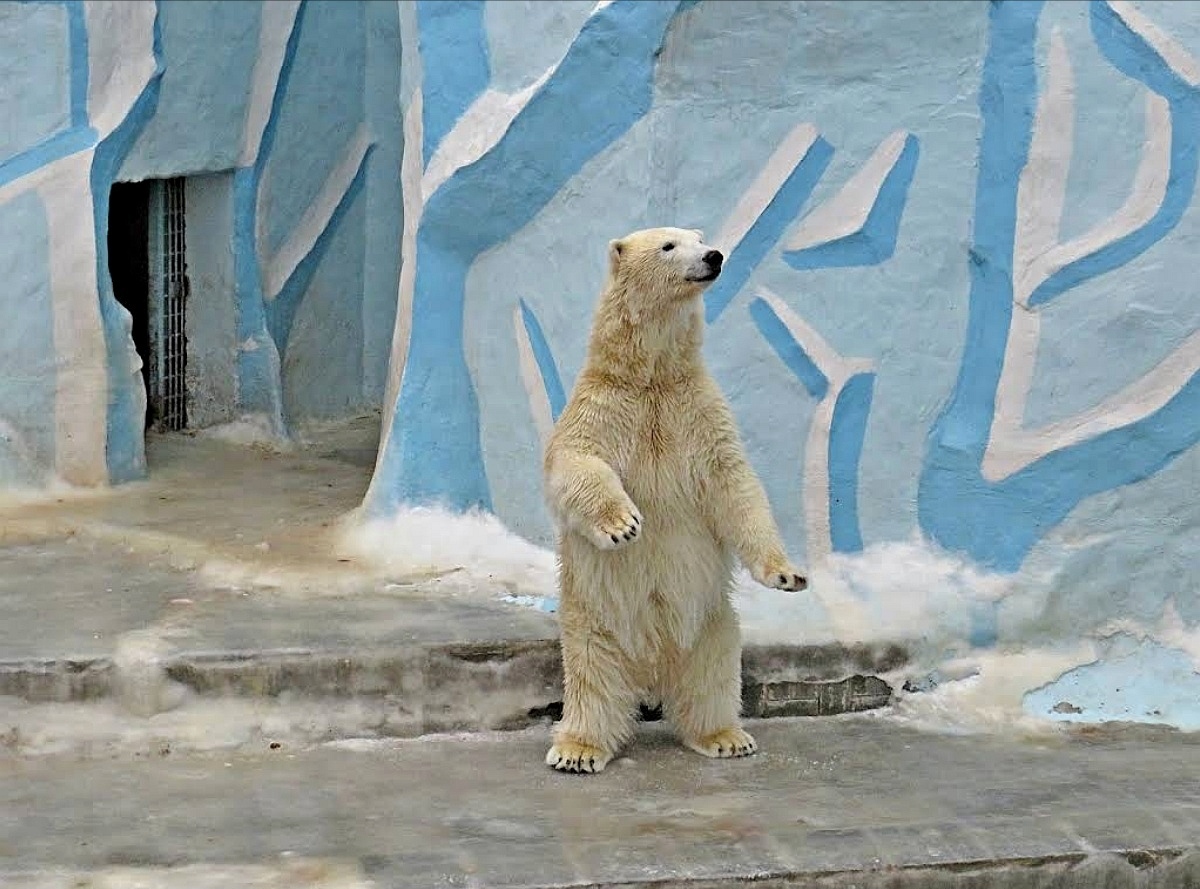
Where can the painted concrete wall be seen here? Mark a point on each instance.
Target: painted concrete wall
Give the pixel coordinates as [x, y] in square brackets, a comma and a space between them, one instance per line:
[266, 105]
[959, 322]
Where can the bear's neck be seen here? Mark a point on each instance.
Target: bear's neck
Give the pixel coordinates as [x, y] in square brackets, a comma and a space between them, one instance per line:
[643, 347]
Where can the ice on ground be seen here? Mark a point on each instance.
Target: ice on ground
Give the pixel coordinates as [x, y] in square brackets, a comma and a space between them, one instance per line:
[984, 692]
[295, 872]
[104, 728]
[1131, 680]
[254, 430]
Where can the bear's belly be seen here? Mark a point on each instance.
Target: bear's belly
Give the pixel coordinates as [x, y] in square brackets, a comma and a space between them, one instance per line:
[657, 590]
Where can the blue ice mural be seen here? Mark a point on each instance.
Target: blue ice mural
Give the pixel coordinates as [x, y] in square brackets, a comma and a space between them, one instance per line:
[977, 492]
[954, 306]
[989, 486]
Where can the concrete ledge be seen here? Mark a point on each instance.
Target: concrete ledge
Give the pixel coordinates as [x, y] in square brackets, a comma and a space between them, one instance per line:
[1147, 869]
[466, 686]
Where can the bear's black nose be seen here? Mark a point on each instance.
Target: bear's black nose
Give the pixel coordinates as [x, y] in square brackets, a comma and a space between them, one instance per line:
[714, 259]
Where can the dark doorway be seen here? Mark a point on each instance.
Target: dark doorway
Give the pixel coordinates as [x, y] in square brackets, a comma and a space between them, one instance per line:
[147, 259]
[129, 265]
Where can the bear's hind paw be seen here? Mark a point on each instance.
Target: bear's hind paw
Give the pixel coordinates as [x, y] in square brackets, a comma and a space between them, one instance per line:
[725, 743]
[573, 756]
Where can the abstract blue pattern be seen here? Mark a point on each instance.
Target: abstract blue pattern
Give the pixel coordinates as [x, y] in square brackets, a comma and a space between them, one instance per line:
[997, 523]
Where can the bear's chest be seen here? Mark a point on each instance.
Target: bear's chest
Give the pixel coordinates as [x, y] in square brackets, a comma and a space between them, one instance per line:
[662, 456]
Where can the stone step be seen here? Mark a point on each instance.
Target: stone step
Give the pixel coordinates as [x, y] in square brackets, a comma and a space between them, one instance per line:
[857, 801]
[457, 686]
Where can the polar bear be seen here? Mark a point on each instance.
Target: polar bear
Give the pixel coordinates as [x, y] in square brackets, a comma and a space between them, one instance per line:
[653, 498]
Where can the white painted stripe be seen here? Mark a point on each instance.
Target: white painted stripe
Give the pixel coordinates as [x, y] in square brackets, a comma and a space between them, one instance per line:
[1145, 197]
[278, 16]
[836, 368]
[818, 538]
[1176, 57]
[1135, 402]
[81, 380]
[1038, 255]
[846, 212]
[316, 218]
[484, 124]
[766, 185]
[838, 371]
[478, 131]
[1012, 389]
[410, 191]
[120, 58]
[531, 377]
[1042, 187]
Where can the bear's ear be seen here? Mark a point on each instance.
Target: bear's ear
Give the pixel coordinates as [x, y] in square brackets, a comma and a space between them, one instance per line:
[699, 234]
[616, 249]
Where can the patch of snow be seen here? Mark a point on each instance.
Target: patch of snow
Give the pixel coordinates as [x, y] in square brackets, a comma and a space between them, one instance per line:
[105, 728]
[423, 542]
[252, 430]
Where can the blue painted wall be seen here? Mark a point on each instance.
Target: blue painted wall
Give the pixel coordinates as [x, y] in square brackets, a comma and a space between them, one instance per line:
[662, 113]
[291, 242]
[34, 47]
[208, 51]
[27, 381]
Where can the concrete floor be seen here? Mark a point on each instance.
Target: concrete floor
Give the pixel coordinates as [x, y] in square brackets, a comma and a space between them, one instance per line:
[851, 801]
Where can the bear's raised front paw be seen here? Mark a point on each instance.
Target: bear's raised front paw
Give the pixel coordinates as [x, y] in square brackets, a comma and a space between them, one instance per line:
[619, 526]
[573, 756]
[781, 577]
[725, 743]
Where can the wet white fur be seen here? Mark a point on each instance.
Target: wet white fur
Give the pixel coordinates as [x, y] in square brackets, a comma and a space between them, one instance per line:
[648, 482]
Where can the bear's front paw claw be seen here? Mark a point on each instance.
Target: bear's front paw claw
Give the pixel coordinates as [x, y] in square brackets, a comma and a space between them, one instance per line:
[624, 526]
[790, 582]
[781, 576]
[786, 578]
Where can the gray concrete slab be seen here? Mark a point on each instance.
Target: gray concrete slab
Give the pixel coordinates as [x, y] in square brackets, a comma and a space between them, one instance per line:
[840, 802]
[73, 597]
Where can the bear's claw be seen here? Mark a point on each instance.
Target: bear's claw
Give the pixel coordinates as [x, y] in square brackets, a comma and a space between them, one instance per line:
[624, 527]
[783, 577]
[572, 756]
[790, 582]
[725, 743]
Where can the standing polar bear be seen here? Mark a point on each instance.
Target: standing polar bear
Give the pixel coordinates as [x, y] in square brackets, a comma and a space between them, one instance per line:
[653, 497]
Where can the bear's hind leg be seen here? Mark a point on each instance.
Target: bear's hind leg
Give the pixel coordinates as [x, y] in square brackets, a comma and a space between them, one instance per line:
[703, 689]
[599, 701]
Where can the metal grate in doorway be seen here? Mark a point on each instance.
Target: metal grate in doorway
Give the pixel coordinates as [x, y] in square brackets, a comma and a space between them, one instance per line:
[168, 353]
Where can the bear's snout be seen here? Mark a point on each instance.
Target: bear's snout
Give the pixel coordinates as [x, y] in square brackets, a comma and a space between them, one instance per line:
[713, 260]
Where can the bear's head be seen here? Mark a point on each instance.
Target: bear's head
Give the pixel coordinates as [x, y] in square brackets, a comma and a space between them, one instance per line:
[666, 263]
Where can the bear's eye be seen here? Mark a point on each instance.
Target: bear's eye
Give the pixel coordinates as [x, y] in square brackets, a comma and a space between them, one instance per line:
[668, 247]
